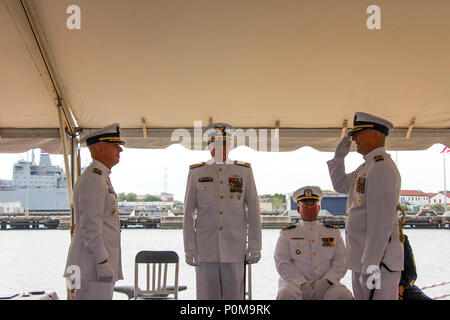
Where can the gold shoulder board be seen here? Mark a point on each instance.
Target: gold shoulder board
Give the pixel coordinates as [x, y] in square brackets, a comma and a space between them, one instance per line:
[378, 158]
[98, 171]
[244, 164]
[197, 165]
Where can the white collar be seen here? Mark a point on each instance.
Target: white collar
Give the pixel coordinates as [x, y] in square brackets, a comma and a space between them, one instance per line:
[213, 161]
[374, 152]
[101, 166]
[308, 224]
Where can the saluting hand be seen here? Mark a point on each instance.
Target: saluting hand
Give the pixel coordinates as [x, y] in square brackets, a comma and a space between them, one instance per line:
[343, 148]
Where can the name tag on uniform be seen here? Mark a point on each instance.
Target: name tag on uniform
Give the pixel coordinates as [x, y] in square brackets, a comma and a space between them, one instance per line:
[206, 179]
[235, 184]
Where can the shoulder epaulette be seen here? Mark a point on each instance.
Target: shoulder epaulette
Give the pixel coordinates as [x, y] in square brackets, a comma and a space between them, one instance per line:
[288, 227]
[98, 171]
[197, 165]
[244, 164]
[378, 158]
[331, 226]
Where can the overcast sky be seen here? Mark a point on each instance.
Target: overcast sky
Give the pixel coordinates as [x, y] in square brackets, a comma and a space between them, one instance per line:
[142, 170]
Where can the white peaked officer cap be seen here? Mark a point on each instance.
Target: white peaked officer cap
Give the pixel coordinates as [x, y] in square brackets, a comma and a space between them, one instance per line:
[307, 193]
[363, 121]
[109, 134]
[218, 132]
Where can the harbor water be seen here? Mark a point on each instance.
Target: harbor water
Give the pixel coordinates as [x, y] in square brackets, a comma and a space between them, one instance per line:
[34, 260]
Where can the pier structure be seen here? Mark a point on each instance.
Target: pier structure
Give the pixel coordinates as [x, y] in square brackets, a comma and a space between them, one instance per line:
[176, 222]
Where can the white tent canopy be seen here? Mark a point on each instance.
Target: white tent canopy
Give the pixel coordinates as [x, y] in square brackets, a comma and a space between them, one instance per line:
[303, 66]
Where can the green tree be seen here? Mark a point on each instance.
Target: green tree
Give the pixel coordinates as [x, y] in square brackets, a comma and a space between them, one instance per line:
[152, 198]
[276, 199]
[132, 197]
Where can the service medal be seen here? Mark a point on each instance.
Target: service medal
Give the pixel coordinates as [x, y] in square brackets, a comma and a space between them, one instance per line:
[328, 242]
[361, 185]
[235, 184]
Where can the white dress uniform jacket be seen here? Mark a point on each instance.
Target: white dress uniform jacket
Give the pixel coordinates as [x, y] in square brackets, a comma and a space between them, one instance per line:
[310, 251]
[215, 219]
[372, 229]
[97, 225]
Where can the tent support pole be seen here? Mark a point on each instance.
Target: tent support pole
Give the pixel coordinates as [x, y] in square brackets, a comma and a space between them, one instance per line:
[62, 133]
[74, 162]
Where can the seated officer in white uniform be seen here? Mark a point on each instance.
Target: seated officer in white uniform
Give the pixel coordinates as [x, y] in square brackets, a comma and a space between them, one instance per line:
[95, 247]
[310, 256]
[216, 226]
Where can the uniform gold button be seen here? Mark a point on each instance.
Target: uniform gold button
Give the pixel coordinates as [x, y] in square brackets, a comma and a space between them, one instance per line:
[314, 253]
[220, 228]
[220, 212]
[313, 240]
[221, 197]
[221, 182]
[220, 169]
[346, 214]
[311, 229]
[315, 267]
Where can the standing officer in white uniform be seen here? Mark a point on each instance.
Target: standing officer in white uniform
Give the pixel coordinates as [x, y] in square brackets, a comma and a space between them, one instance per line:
[372, 231]
[216, 225]
[309, 256]
[95, 246]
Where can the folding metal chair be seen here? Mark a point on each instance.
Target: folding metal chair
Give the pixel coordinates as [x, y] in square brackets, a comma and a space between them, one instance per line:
[157, 265]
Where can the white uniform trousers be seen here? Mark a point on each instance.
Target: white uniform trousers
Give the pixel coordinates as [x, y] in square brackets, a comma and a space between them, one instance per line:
[389, 282]
[336, 291]
[220, 281]
[94, 290]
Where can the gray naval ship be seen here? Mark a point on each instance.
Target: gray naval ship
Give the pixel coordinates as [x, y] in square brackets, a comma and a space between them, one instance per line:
[39, 188]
